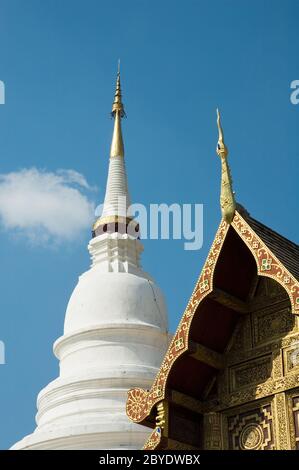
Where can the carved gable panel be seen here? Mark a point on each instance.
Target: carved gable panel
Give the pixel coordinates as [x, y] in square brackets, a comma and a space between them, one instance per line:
[250, 373]
[269, 325]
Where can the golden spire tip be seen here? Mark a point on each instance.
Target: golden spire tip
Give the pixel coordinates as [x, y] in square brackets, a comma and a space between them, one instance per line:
[117, 106]
[118, 112]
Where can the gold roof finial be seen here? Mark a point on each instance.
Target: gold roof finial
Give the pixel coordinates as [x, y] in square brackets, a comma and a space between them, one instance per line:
[221, 147]
[118, 112]
[227, 198]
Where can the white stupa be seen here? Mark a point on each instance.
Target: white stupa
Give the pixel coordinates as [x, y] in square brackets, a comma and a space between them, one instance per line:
[115, 332]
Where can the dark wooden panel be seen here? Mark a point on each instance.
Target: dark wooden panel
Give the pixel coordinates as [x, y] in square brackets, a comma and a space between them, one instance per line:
[185, 426]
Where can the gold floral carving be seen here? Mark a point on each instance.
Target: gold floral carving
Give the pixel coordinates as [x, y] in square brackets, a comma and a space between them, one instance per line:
[281, 421]
[252, 372]
[277, 363]
[242, 355]
[154, 440]
[268, 388]
[134, 403]
[268, 325]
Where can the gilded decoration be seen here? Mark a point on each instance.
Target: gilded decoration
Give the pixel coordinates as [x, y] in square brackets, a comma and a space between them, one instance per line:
[154, 440]
[251, 437]
[268, 388]
[257, 371]
[268, 325]
[134, 403]
[291, 357]
[267, 263]
[252, 430]
[261, 342]
[281, 422]
[162, 416]
[295, 413]
[236, 356]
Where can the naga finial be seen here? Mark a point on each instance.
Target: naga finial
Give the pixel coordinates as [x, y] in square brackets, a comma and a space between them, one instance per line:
[221, 147]
[227, 198]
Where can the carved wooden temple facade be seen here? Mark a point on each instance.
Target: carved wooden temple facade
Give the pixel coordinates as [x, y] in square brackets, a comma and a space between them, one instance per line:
[230, 378]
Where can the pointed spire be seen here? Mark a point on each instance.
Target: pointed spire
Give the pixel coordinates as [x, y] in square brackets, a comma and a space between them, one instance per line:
[115, 215]
[118, 112]
[227, 198]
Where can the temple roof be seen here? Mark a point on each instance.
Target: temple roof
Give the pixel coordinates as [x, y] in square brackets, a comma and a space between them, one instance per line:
[285, 250]
[241, 252]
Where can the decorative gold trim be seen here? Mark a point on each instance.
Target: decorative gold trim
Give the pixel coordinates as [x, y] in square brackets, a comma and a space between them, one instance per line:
[113, 219]
[235, 357]
[246, 427]
[154, 440]
[251, 372]
[267, 263]
[291, 418]
[266, 389]
[281, 422]
[277, 363]
[162, 417]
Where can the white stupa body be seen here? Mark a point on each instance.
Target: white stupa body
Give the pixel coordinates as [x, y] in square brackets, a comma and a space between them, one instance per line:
[115, 336]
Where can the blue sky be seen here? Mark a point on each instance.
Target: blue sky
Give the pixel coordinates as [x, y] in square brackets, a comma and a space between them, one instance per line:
[180, 60]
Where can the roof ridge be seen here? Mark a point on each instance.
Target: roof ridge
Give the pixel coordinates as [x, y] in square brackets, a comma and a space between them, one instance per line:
[249, 217]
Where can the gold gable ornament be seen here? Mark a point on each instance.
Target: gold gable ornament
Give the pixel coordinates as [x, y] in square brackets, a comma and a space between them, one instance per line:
[227, 198]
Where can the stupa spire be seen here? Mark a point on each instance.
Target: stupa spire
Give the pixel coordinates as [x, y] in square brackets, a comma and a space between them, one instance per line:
[115, 216]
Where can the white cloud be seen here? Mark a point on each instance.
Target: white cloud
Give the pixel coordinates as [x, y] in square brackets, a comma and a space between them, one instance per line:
[72, 176]
[45, 206]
